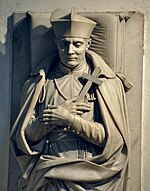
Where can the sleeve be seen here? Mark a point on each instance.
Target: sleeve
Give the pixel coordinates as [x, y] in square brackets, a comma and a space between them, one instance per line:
[92, 131]
[35, 130]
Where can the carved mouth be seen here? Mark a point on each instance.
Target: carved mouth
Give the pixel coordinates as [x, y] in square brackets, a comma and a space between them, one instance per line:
[71, 58]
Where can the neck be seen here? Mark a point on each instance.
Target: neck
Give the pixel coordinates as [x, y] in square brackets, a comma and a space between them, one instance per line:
[79, 68]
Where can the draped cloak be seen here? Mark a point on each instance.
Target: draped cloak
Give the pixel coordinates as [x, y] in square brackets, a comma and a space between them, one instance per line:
[107, 171]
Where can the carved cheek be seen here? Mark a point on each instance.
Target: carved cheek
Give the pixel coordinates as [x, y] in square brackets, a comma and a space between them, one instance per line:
[81, 51]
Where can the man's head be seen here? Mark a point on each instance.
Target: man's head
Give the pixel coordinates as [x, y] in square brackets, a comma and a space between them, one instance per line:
[72, 50]
[72, 35]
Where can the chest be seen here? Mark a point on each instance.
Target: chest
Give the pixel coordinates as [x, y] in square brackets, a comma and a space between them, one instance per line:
[67, 88]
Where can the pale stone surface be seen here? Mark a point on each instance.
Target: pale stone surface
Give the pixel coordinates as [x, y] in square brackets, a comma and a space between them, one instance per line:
[129, 37]
[6, 9]
[133, 70]
[20, 33]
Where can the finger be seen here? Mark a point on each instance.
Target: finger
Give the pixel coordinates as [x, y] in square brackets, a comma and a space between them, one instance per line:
[49, 119]
[83, 108]
[77, 112]
[49, 122]
[45, 121]
[69, 101]
[47, 111]
[53, 107]
[83, 104]
[44, 115]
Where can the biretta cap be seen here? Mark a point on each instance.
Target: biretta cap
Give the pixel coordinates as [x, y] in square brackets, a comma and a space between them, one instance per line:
[71, 24]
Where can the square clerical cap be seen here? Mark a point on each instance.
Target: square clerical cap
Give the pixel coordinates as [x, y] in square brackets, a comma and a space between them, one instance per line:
[71, 24]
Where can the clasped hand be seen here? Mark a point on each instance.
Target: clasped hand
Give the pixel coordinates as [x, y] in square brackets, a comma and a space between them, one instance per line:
[63, 115]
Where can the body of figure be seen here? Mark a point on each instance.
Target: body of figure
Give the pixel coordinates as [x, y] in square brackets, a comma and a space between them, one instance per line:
[63, 144]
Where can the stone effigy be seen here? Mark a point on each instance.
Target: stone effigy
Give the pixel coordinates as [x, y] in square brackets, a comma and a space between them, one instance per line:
[72, 130]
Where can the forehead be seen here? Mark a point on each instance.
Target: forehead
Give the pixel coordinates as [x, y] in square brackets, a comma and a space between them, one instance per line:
[70, 39]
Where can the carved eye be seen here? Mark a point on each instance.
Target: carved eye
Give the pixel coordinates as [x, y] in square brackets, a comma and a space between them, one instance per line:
[77, 44]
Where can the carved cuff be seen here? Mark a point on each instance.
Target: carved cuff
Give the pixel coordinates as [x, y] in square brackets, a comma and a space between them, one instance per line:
[91, 131]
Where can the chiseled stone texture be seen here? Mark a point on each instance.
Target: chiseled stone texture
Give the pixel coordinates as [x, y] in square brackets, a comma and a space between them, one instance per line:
[7, 7]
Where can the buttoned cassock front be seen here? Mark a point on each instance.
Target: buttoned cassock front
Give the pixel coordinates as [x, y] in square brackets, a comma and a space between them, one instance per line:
[104, 171]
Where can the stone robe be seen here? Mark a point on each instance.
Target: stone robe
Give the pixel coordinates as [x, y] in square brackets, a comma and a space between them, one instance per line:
[90, 161]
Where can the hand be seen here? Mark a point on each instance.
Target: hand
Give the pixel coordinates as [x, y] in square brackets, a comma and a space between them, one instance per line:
[55, 116]
[76, 108]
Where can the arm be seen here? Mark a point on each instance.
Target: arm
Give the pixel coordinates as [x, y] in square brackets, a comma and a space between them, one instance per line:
[35, 130]
[38, 127]
[91, 131]
[67, 115]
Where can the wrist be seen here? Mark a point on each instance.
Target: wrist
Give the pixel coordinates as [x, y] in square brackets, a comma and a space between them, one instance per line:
[71, 120]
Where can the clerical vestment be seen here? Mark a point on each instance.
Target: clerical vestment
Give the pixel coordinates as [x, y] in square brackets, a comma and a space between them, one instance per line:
[90, 155]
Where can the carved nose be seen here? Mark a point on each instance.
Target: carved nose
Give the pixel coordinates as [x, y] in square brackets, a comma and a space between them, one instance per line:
[70, 49]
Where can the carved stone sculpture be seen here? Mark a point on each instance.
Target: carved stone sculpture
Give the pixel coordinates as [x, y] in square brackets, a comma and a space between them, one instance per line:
[72, 131]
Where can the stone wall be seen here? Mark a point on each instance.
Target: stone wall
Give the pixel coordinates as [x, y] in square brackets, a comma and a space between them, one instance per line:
[7, 7]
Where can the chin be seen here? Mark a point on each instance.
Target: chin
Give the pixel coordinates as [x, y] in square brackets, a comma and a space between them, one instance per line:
[71, 64]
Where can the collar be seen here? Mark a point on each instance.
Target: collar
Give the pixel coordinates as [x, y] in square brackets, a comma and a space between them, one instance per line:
[62, 69]
[94, 59]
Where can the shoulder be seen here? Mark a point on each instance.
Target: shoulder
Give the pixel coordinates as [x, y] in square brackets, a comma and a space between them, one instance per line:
[107, 74]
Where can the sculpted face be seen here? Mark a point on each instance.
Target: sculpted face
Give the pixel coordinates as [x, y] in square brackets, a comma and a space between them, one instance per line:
[72, 50]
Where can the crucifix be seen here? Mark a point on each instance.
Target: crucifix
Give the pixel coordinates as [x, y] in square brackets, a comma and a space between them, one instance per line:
[91, 79]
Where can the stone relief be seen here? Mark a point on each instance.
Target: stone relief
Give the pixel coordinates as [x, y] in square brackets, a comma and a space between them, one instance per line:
[72, 129]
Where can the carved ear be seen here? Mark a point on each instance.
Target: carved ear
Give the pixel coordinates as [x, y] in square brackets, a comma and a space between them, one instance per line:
[89, 41]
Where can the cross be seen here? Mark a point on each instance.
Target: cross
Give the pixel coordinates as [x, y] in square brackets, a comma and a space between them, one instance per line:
[91, 79]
